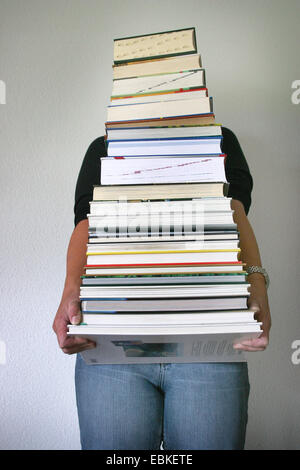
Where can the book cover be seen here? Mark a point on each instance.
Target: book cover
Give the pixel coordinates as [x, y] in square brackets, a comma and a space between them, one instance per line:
[155, 45]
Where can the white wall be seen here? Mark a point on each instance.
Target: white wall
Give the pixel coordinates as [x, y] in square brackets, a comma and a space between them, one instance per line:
[55, 58]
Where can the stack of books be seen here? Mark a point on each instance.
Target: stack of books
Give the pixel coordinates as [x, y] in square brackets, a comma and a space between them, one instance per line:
[163, 280]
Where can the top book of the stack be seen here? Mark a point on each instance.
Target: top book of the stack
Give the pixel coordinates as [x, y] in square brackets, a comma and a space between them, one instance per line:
[155, 46]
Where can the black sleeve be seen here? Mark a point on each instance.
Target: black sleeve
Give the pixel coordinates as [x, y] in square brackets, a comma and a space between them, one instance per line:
[89, 176]
[237, 170]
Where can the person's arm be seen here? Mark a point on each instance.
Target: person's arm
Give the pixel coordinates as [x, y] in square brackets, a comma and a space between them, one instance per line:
[69, 308]
[258, 299]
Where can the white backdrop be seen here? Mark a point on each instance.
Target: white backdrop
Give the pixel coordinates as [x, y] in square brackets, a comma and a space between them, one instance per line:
[55, 59]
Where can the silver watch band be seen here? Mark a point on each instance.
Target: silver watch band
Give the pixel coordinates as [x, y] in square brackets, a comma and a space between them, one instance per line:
[259, 269]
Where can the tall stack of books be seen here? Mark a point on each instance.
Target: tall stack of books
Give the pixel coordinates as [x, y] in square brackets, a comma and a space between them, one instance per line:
[163, 280]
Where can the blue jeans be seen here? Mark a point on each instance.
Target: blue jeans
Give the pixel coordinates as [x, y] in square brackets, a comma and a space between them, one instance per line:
[185, 406]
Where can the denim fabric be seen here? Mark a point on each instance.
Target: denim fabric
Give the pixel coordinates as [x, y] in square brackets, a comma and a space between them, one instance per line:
[185, 406]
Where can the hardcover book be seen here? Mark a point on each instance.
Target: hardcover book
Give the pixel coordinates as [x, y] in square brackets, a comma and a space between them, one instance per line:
[159, 191]
[159, 83]
[151, 46]
[145, 349]
[168, 169]
[152, 67]
[160, 109]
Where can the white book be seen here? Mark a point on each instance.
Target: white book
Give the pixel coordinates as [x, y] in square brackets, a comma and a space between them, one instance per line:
[137, 231]
[134, 348]
[179, 318]
[167, 224]
[160, 82]
[173, 169]
[162, 66]
[161, 109]
[174, 245]
[165, 147]
[178, 218]
[164, 330]
[145, 349]
[162, 291]
[164, 304]
[95, 238]
[158, 191]
[136, 133]
[161, 258]
[149, 98]
[163, 207]
[107, 271]
[158, 280]
[187, 290]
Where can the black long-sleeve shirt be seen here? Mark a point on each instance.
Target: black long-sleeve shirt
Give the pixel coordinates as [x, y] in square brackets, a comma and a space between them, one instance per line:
[236, 170]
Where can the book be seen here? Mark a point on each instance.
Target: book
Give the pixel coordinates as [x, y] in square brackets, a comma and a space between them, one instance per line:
[162, 257]
[162, 169]
[164, 230]
[95, 237]
[159, 110]
[124, 217]
[163, 291]
[159, 83]
[145, 279]
[150, 46]
[193, 120]
[145, 133]
[158, 191]
[164, 319]
[212, 268]
[105, 305]
[151, 67]
[173, 95]
[172, 211]
[168, 348]
[158, 225]
[162, 147]
[150, 245]
[215, 204]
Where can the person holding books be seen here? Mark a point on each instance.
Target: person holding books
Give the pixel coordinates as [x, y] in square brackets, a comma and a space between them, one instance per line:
[185, 406]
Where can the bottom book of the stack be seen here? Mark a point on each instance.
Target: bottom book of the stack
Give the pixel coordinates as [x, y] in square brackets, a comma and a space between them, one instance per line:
[184, 340]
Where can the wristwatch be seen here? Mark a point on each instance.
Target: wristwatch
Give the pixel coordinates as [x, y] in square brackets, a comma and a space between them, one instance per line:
[259, 269]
